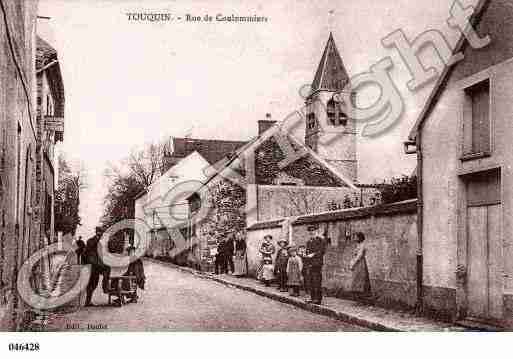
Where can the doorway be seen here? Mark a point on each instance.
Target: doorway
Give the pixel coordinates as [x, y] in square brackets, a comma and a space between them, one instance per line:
[484, 246]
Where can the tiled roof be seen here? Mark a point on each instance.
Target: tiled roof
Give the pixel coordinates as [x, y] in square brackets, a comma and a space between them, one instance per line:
[331, 74]
[211, 150]
[45, 53]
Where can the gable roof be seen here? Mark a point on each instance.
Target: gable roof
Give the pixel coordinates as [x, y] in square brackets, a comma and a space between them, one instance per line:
[331, 73]
[442, 81]
[211, 150]
[45, 53]
[223, 166]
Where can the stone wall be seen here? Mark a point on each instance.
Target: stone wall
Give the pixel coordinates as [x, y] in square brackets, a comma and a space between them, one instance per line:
[391, 237]
[286, 201]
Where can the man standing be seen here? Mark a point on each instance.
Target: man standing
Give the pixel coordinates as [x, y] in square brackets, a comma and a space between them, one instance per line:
[229, 252]
[315, 248]
[97, 267]
[80, 250]
[220, 261]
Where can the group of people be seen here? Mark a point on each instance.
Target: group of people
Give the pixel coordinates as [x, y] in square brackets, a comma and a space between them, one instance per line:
[231, 255]
[87, 254]
[300, 267]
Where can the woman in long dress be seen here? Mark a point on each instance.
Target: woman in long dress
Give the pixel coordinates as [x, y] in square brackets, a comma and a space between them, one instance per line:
[361, 283]
[239, 260]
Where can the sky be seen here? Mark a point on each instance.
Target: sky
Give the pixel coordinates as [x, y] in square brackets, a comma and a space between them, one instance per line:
[129, 83]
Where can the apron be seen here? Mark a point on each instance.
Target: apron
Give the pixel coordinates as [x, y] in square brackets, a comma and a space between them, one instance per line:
[239, 263]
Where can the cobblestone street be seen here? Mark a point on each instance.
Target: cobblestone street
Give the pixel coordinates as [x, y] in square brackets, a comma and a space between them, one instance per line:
[179, 301]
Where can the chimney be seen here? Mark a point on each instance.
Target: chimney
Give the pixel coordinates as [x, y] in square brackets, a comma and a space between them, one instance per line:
[264, 125]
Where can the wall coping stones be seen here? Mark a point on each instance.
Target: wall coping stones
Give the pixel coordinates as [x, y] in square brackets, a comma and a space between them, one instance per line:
[266, 225]
[407, 206]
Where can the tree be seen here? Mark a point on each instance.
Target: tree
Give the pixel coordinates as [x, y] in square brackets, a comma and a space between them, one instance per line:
[123, 187]
[67, 197]
[398, 189]
[145, 165]
[125, 181]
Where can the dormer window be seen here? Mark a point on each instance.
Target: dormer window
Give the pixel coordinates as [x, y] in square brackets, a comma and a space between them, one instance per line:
[336, 117]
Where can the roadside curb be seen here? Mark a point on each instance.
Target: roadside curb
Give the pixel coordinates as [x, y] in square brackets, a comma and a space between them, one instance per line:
[318, 309]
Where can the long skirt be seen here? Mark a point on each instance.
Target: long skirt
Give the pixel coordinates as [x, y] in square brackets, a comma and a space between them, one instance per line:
[361, 281]
[268, 272]
[239, 263]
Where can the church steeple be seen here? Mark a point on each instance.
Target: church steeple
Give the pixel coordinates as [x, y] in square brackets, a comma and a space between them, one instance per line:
[331, 75]
[330, 127]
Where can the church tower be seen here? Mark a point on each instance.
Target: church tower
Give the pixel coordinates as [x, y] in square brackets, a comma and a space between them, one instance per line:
[330, 130]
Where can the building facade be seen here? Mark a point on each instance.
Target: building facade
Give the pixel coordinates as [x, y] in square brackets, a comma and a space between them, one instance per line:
[50, 129]
[160, 208]
[254, 186]
[18, 146]
[463, 136]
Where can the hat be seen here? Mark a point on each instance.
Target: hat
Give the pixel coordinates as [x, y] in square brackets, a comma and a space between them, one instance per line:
[268, 236]
[292, 249]
[312, 227]
[286, 243]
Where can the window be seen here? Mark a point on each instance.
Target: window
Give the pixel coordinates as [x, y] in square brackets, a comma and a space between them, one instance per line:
[310, 121]
[331, 111]
[336, 117]
[476, 124]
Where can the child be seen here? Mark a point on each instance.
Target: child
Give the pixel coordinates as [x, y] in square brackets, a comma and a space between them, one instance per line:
[267, 271]
[280, 268]
[301, 252]
[294, 268]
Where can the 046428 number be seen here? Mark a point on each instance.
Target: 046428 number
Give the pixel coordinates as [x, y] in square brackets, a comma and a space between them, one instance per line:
[23, 347]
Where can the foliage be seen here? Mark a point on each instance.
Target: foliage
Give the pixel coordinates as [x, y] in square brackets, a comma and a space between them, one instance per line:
[227, 205]
[67, 197]
[145, 165]
[398, 189]
[125, 181]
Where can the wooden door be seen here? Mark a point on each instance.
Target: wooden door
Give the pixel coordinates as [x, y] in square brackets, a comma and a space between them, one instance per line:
[484, 246]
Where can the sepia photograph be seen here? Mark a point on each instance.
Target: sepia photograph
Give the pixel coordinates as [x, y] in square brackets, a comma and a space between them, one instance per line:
[254, 167]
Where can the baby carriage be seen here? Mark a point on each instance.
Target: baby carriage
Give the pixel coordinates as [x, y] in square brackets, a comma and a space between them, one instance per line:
[124, 287]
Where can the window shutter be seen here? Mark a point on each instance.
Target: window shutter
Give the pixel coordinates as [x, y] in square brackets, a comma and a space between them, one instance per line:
[480, 98]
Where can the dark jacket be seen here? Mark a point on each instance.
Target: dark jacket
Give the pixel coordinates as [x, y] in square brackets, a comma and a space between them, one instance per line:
[229, 247]
[91, 254]
[240, 246]
[221, 249]
[317, 246]
[80, 251]
[282, 258]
